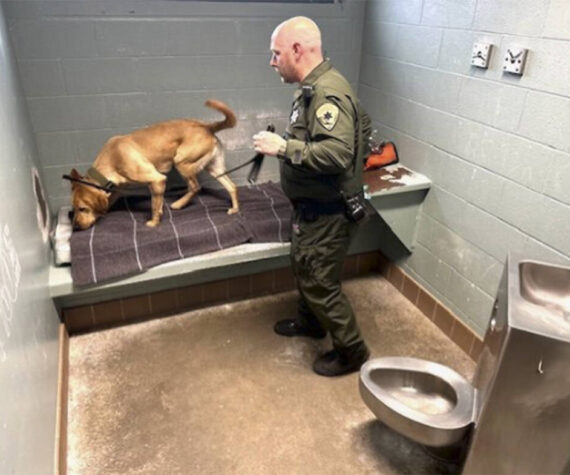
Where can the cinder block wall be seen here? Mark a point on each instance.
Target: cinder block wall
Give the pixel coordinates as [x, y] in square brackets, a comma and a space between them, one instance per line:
[496, 146]
[28, 320]
[93, 69]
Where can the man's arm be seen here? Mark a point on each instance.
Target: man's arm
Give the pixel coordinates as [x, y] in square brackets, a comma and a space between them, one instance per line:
[330, 149]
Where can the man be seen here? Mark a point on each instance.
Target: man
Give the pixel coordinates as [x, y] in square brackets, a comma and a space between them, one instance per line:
[321, 159]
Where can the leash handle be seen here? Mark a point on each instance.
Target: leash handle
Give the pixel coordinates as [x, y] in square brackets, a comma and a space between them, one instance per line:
[257, 162]
[254, 172]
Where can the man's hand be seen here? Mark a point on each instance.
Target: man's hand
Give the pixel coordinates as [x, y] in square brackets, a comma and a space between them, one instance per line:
[269, 143]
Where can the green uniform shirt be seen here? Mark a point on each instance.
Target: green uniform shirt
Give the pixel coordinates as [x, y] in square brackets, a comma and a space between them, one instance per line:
[319, 160]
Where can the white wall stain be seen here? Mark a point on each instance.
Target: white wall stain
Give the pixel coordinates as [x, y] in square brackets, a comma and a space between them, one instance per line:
[10, 273]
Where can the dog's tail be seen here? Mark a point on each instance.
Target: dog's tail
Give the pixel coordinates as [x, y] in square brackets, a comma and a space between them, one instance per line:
[228, 122]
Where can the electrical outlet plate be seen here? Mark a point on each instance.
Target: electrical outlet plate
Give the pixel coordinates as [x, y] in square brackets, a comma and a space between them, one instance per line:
[481, 55]
[515, 60]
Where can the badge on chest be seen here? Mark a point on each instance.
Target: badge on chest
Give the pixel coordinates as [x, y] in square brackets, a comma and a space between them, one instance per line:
[294, 115]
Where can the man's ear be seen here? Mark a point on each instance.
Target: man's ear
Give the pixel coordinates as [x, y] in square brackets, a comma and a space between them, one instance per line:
[297, 49]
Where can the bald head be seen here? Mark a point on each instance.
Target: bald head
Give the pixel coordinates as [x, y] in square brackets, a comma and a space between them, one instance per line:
[300, 29]
[297, 48]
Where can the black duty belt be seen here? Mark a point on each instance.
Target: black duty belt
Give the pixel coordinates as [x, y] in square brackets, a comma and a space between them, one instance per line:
[310, 210]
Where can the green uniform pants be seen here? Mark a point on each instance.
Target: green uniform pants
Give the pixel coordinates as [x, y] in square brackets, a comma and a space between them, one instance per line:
[318, 249]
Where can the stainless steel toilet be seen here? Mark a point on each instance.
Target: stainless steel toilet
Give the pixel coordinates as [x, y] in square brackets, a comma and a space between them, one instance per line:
[427, 402]
[519, 402]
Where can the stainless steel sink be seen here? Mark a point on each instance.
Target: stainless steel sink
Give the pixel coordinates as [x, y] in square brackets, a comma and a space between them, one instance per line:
[539, 298]
[522, 379]
[546, 285]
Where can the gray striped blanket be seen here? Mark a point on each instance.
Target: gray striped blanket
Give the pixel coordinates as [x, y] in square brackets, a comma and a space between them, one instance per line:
[120, 244]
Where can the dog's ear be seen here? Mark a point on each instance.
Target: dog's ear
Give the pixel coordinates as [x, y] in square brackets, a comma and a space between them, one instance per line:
[77, 176]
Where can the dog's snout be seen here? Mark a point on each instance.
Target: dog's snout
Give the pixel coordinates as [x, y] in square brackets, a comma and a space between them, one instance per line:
[74, 223]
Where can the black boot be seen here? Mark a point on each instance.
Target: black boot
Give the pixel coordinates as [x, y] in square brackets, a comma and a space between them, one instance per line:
[341, 361]
[292, 327]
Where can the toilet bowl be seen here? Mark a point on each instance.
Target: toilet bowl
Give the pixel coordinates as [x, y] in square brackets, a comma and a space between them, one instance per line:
[425, 401]
[518, 403]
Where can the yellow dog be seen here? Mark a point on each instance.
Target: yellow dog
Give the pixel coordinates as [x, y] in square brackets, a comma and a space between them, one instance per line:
[145, 155]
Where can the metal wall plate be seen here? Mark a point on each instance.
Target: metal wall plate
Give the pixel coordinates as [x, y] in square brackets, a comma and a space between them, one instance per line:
[515, 60]
[481, 55]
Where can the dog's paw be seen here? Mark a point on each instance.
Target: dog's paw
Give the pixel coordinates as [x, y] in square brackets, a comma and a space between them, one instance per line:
[233, 210]
[152, 223]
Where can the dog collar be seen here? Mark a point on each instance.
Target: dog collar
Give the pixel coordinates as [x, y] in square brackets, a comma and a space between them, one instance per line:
[104, 184]
[101, 179]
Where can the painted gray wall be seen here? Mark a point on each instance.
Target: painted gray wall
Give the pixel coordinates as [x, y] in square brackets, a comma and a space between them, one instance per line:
[28, 321]
[496, 146]
[493, 144]
[92, 69]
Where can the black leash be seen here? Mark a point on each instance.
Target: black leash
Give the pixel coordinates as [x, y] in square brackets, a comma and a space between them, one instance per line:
[109, 187]
[257, 161]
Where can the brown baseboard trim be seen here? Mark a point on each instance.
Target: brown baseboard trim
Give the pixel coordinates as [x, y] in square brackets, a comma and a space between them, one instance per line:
[448, 323]
[169, 302]
[60, 463]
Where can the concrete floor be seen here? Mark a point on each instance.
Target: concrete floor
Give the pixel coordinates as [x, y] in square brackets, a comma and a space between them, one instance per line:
[215, 391]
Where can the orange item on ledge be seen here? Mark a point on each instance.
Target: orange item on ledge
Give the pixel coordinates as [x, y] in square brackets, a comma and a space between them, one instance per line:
[385, 154]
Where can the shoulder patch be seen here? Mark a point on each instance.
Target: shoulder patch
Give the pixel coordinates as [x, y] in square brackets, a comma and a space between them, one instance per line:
[327, 115]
